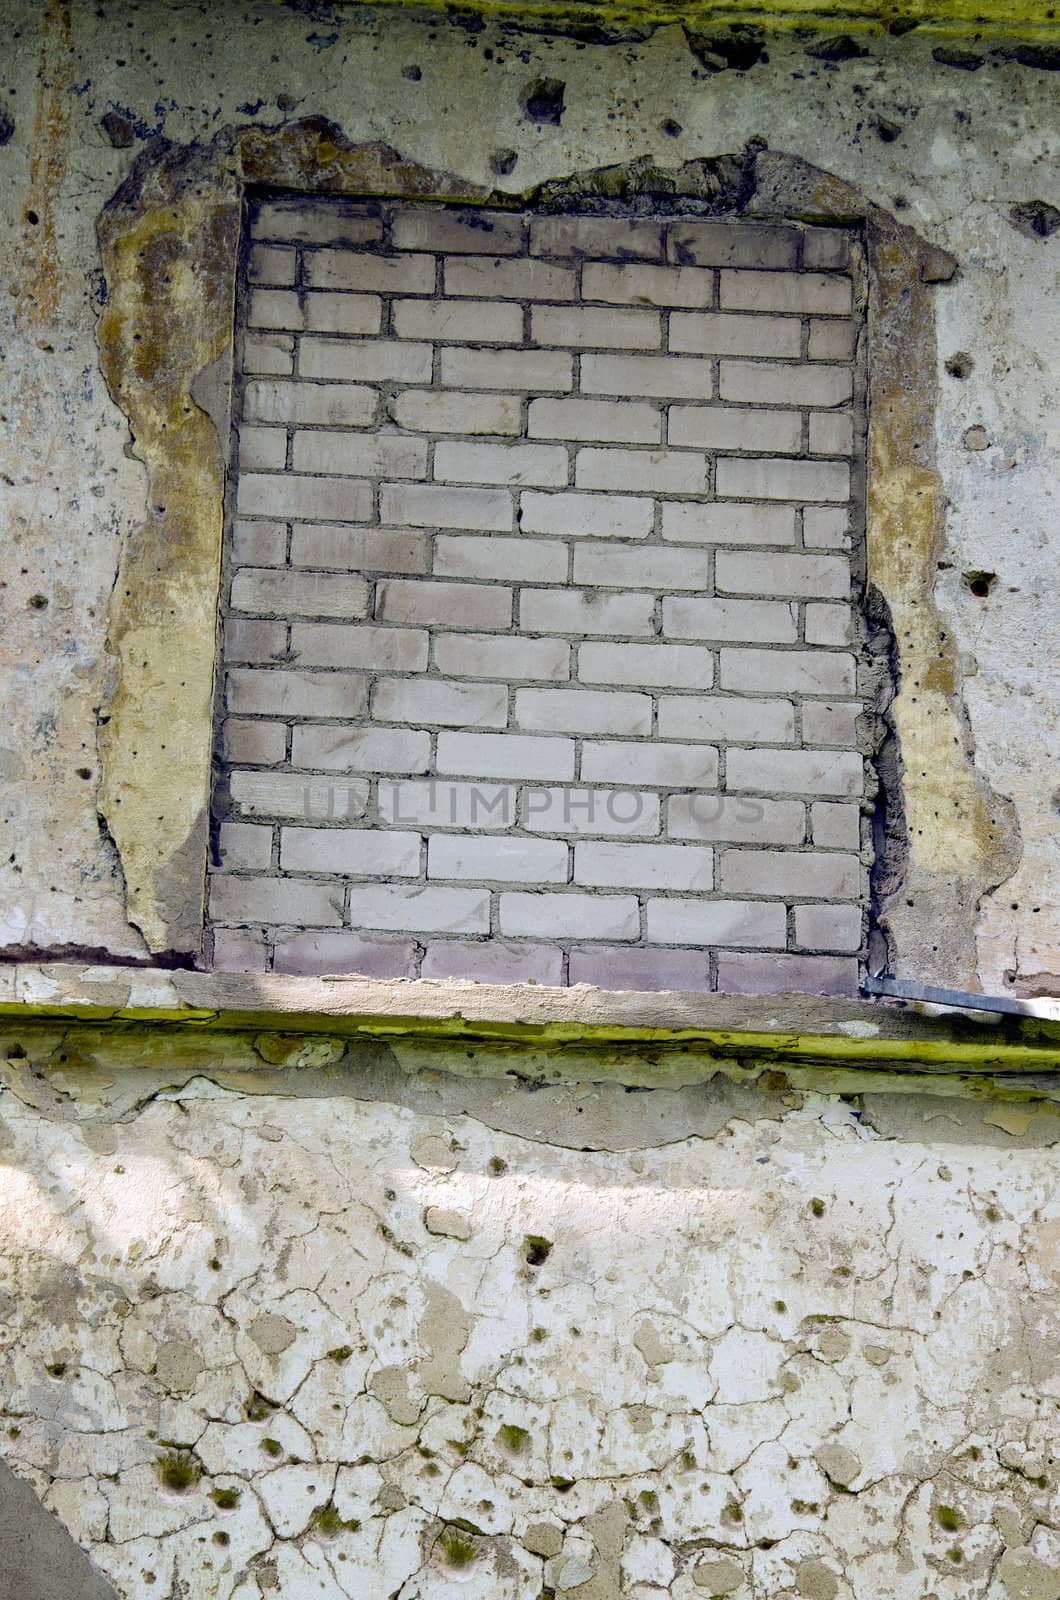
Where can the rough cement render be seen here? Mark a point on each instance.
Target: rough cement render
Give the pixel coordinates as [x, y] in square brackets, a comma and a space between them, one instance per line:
[283, 1317]
[949, 149]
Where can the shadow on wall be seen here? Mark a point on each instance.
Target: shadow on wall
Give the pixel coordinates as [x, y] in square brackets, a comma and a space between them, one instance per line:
[38, 1558]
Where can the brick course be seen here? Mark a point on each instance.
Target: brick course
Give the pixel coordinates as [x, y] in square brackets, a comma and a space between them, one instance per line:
[540, 647]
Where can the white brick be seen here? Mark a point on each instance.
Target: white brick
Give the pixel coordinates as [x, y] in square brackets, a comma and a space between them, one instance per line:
[715, 334]
[244, 846]
[447, 604]
[259, 544]
[459, 321]
[640, 567]
[727, 244]
[278, 693]
[343, 313]
[246, 640]
[773, 384]
[577, 611]
[654, 377]
[366, 455]
[826, 247]
[359, 852]
[275, 308]
[635, 968]
[544, 464]
[294, 794]
[493, 961]
[582, 711]
[278, 592]
[518, 560]
[589, 811]
[262, 449]
[727, 717]
[505, 860]
[614, 421]
[497, 755]
[305, 905]
[644, 285]
[253, 742]
[435, 701]
[752, 923]
[826, 528]
[667, 666]
[323, 644]
[432, 411]
[605, 865]
[831, 433]
[703, 523]
[832, 341]
[666, 766]
[311, 953]
[787, 671]
[835, 772]
[272, 265]
[480, 655]
[434, 505]
[786, 291]
[620, 237]
[495, 233]
[570, 916]
[340, 404]
[810, 873]
[585, 326]
[445, 803]
[787, 974]
[414, 908]
[365, 360]
[723, 428]
[509, 280]
[355, 269]
[837, 827]
[745, 621]
[735, 820]
[828, 928]
[592, 516]
[269, 353]
[752, 572]
[315, 222]
[532, 370]
[344, 749]
[766, 479]
[240, 950]
[827, 723]
[318, 499]
[656, 471]
[829, 625]
[359, 549]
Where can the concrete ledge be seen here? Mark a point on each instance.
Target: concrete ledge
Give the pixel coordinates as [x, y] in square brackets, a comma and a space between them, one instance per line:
[786, 1027]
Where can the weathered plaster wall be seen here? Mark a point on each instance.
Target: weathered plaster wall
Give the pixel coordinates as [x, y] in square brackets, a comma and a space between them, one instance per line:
[282, 1315]
[948, 149]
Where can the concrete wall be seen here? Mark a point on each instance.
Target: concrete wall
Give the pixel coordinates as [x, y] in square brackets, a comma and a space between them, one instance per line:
[759, 1335]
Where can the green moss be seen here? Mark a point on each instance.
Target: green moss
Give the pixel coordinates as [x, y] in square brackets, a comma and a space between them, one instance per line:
[947, 1518]
[817, 1207]
[341, 1353]
[458, 1552]
[327, 1524]
[497, 1165]
[536, 1250]
[178, 1471]
[272, 1447]
[258, 1408]
[225, 1499]
[56, 1369]
[513, 1439]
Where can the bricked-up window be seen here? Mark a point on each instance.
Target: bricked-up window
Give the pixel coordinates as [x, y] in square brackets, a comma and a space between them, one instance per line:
[540, 630]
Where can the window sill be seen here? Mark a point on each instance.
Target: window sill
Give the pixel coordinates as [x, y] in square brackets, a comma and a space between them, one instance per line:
[784, 1028]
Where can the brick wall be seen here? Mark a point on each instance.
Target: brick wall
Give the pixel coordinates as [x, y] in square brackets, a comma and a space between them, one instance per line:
[540, 652]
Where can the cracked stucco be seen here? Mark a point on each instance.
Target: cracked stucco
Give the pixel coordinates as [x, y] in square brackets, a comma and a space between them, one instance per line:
[310, 1319]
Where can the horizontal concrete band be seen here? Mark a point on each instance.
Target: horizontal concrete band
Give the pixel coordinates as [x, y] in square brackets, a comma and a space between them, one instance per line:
[793, 1028]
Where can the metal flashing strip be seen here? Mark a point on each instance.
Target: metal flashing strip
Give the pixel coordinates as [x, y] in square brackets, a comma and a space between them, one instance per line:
[960, 999]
